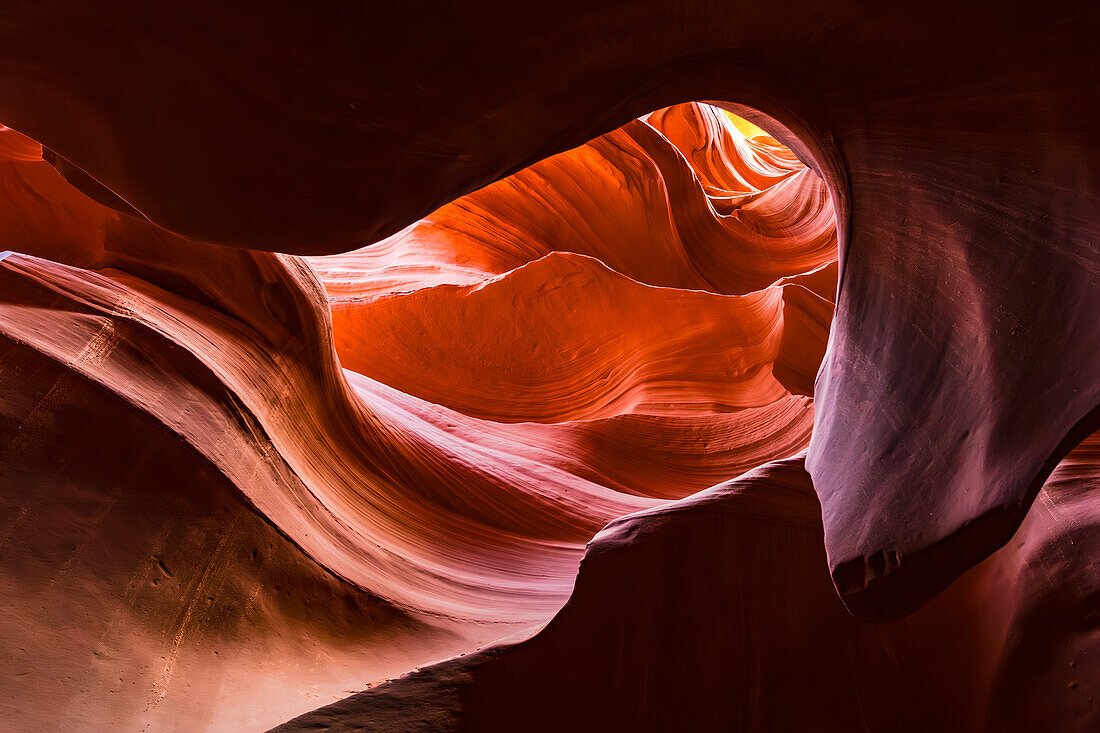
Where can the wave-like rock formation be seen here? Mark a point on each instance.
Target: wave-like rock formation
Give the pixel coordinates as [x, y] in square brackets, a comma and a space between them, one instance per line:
[717, 612]
[575, 259]
[234, 477]
[947, 135]
[411, 478]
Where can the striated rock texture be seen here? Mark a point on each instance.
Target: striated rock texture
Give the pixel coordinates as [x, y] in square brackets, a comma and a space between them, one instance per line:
[505, 393]
[440, 491]
[958, 141]
[635, 279]
[717, 613]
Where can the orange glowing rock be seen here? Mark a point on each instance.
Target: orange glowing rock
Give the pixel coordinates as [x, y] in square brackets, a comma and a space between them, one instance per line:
[208, 521]
[522, 367]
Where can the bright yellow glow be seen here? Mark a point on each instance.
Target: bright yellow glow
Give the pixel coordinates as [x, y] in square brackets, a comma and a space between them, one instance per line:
[743, 126]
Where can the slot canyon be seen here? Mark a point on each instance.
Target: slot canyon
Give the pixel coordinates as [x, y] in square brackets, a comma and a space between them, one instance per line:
[623, 366]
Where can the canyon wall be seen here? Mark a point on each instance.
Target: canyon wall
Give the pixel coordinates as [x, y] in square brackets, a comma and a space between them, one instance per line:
[545, 307]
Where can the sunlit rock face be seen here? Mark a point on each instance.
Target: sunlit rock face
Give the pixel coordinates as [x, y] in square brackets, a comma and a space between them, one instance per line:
[640, 273]
[417, 475]
[958, 142]
[238, 484]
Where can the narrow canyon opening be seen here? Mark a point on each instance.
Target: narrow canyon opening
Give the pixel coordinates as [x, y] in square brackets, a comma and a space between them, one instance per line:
[666, 286]
[435, 425]
[599, 414]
